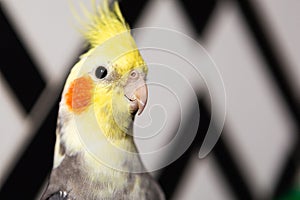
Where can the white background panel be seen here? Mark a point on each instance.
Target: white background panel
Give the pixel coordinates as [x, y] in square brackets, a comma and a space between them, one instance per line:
[47, 28]
[259, 127]
[165, 14]
[260, 131]
[282, 20]
[14, 128]
[203, 181]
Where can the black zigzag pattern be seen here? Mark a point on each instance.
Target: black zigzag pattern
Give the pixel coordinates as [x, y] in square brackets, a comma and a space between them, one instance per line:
[17, 67]
[21, 73]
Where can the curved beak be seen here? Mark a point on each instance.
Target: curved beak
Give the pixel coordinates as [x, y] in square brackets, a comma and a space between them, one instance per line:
[141, 95]
[136, 92]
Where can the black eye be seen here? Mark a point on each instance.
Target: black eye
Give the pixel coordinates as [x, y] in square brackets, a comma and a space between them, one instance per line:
[100, 72]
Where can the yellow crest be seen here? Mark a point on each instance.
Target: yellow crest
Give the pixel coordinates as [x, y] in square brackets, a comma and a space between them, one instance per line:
[104, 23]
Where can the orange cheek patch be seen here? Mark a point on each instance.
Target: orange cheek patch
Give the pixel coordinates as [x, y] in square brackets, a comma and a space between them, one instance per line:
[79, 94]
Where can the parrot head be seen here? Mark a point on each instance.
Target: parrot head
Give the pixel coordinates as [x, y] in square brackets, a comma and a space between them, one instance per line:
[109, 80]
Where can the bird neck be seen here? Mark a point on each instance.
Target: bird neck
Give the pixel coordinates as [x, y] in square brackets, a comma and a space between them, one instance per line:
[82, 134]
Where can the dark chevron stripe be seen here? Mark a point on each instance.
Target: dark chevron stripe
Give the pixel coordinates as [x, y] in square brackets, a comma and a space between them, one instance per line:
[274, 61]
[199, 12]
[132, 9]
[289, 172]
[17, 67]
[230, 170]
[35, 163]
[172, 174]
[276, 67]
[28, 175]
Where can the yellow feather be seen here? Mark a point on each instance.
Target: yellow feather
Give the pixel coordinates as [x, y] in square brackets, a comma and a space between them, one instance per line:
[108, 117]
[122, 55]
[103, 23]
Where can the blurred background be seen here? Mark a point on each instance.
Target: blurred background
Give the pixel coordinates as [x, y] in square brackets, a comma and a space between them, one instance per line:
[255, 44]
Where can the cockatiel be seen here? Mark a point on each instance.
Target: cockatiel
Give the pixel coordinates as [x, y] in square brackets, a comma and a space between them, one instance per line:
[95, 155]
